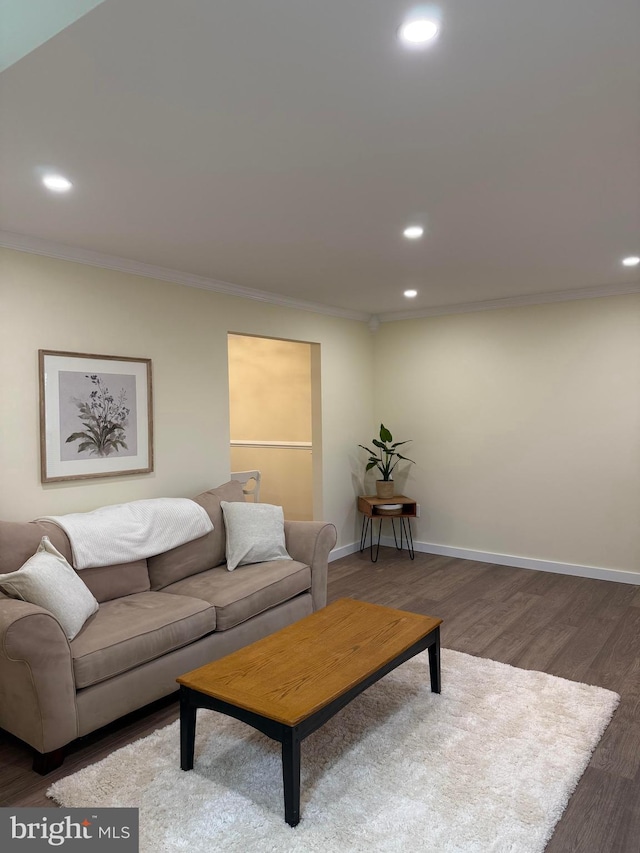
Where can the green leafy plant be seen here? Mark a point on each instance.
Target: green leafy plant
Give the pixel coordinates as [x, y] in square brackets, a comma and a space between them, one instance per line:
[386, 457]
[104, 420]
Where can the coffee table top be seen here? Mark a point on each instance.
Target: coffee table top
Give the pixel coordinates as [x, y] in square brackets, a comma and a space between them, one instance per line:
[295, 672]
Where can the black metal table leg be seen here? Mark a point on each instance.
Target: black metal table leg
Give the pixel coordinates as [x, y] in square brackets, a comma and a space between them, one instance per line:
[434, 663]
[407, 530]
[363, 534]
[375, 559]
[291, 776]
[367, 527]
[187, 729]
[395, 538]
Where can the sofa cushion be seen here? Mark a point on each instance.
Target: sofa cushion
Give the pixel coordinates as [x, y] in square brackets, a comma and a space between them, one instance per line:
[130, 631]
[47, 579]
[200, 554]
[239, 595]
[19, 540]
[255, 533]
[107, 582]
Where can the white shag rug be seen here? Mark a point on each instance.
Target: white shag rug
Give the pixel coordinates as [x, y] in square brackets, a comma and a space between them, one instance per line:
[488, 766]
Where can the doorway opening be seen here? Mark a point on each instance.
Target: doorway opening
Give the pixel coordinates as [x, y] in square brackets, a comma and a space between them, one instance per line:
[274, 420]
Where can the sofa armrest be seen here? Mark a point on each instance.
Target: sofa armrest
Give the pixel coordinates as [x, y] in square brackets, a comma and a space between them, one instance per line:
[37, 688]
[310, 542]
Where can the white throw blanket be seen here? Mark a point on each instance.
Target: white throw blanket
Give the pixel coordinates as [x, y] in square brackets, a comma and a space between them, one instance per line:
[125, 532]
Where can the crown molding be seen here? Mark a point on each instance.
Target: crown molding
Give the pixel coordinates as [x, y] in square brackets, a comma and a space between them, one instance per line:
[51, 249]
[515, 301]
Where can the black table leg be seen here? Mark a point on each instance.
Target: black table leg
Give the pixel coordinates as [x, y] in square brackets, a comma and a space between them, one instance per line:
[291, 776]
[187, 729]
[395, 538]
[406, 526]
[434, 663]
[375, 559]
[363, 535]
[367, 527]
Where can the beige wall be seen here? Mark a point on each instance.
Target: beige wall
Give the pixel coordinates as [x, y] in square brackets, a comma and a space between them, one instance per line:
[269, 389]
[270, 400]
[526, 428]
[52, 304]
[525, 422]
[286, 477]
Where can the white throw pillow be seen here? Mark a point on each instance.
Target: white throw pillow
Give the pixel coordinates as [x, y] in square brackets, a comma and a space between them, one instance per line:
[47, 579]
[255, 533]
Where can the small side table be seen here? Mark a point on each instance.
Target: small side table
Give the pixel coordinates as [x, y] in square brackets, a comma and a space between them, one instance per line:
[369, 506]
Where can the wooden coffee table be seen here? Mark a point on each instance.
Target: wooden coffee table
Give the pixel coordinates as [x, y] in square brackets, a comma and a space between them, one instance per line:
[290, 683]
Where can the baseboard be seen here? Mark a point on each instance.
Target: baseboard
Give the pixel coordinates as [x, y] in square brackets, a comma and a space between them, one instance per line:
[343, 551]
[595, 572]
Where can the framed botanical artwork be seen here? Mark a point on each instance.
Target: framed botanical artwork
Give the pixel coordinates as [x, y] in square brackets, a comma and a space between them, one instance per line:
[95, 416]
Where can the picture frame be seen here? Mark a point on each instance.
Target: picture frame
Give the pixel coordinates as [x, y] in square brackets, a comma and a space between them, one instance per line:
[96, 416]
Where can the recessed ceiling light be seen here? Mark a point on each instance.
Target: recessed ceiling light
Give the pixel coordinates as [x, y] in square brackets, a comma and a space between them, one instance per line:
[413, 232]
[419, 32]
[410, 293]
[631, 261]
[57, 183]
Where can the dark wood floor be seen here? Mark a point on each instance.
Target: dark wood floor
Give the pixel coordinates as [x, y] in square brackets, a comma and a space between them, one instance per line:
[584, 630]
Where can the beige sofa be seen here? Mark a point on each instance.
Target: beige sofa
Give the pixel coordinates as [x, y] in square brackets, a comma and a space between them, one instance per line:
[157, 619]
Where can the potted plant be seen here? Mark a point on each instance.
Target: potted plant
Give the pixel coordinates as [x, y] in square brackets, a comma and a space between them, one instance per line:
[385, 459]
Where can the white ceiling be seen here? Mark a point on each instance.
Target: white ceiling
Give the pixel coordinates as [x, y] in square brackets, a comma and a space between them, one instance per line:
[282, 146]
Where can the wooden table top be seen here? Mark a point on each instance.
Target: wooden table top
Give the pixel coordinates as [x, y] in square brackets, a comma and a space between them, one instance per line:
[295, 672]
[374, 500]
